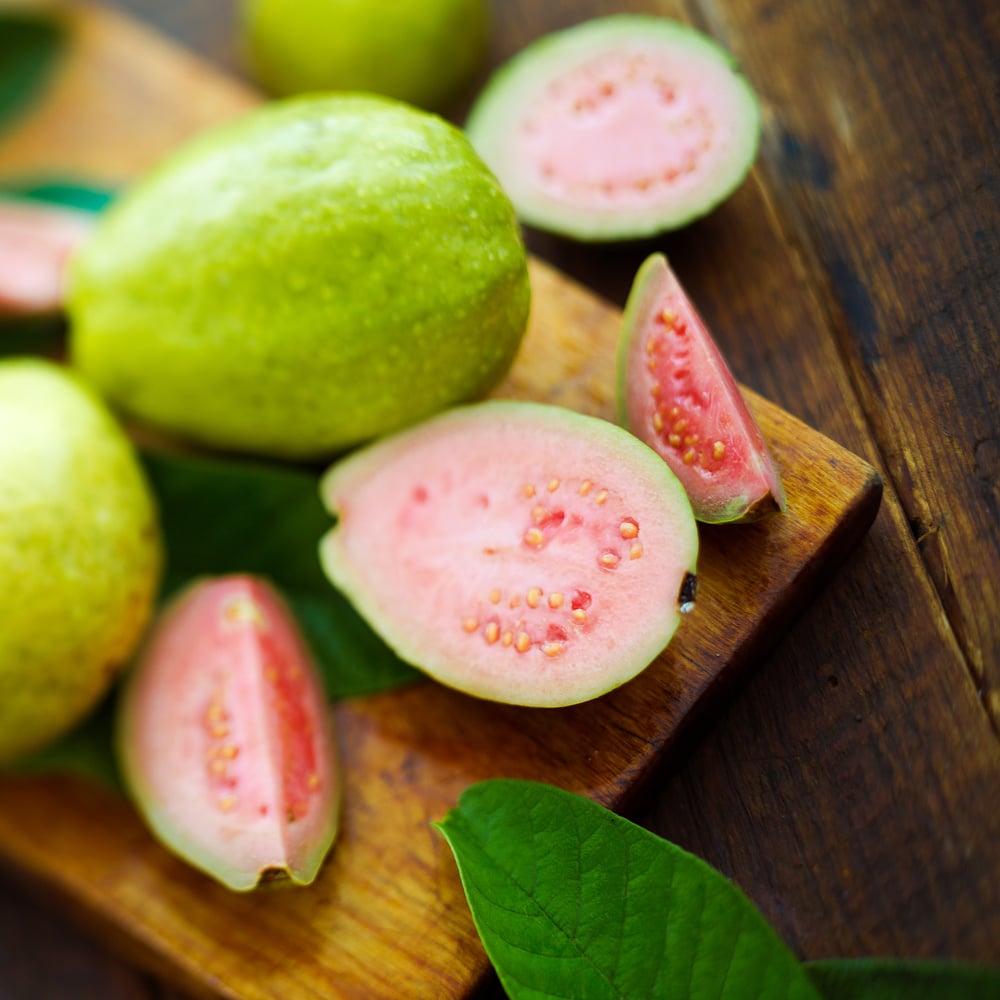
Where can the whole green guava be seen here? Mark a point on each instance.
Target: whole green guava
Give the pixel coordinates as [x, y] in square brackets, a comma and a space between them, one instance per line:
[80, 552]
[322, 271]
[425, 52]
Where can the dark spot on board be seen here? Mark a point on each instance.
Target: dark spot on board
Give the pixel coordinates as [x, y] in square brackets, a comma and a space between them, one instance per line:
[986, 458]
[804, 160]
[689, 588]
[852, 293]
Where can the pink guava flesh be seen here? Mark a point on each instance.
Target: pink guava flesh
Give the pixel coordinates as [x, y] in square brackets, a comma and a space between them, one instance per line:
[36, 242]
[617, 128]
[518, 552]
[672, 117]
[225, 736]
[677, 394]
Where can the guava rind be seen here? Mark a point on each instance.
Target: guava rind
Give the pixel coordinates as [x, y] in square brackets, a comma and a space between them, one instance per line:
[323, 270]
[415, 580]
[496, 117]
[202, 737]
[746, 489]
[80, 549]
[424, 53]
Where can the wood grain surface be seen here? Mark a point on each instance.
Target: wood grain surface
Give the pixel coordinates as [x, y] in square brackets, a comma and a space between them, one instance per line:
[851, 788]
[388, 908]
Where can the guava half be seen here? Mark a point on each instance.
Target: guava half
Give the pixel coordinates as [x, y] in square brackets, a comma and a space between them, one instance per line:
[676, 393]
[618, 128]
[321, 271]
[225, 738]
[518, 552]
[36, 240]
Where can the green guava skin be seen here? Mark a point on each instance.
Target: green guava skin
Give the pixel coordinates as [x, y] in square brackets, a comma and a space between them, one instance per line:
[425, 52]
[320, 272]
[80, 550]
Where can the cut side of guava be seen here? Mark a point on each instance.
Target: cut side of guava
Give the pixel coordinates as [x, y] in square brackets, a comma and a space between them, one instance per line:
[676, 393]
[36, 241]
[617, 128]
[225, 740]
[518, 552]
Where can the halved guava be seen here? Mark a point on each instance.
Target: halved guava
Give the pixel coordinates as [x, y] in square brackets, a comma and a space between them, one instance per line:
[36, 241]
[676, 393]
[518, 552]
[224, 737]
[617, 128]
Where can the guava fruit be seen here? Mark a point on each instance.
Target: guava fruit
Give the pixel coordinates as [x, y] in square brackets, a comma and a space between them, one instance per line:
[676, 393]
[518, 552]
[80, 552]
[324, 270]
[425, 52]
[225, 738]
[617, 128]
[36, 240]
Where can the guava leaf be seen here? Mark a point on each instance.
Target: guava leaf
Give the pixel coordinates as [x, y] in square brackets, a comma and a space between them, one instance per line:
[35, 335]
[898, 979]
[220, 516]
[225, 516]
[65, 193]
[87, 750]
[29, 45]
[571, 900]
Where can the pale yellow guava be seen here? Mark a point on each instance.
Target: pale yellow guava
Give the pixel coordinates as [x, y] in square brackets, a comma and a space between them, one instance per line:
[80, 552]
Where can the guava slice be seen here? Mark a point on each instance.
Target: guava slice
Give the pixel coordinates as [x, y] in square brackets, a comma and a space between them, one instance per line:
[225, 737]
[36, 241]
[518, 552]
[617, 128]
[676, 393]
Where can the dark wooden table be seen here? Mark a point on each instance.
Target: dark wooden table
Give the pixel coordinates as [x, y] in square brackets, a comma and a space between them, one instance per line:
[852, 786]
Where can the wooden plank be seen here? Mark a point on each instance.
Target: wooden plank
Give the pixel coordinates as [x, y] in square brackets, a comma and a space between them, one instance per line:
[388, 909]
[887, 153]
[799, 793]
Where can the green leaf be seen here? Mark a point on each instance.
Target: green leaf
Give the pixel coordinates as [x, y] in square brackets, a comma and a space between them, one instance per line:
[221, 516]
[38, 335]
[898, 979]
[62, 192]
[29, 46]
[573, 901]
[86, 751]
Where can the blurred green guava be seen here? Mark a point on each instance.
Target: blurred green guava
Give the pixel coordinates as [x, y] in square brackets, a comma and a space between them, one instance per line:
[424, 52]
[80, 552]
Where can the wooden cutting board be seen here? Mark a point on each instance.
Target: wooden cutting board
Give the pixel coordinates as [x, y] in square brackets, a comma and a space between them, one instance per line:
[387, 917]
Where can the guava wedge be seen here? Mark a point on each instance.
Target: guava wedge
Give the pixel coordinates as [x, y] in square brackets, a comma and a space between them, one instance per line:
[676, 393]
[617, 128]
[225, 738]
[518, 552]
[321, 271]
